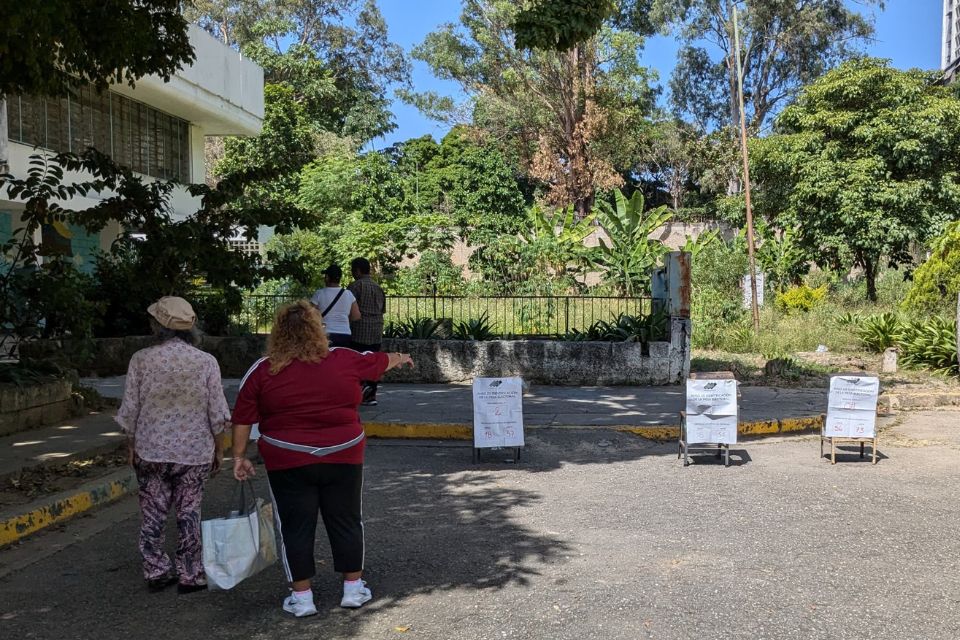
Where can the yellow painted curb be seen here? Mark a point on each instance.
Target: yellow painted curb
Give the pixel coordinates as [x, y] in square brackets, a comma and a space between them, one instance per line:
[63, 508]
[754, 428]
[418, 430]
[660, 433]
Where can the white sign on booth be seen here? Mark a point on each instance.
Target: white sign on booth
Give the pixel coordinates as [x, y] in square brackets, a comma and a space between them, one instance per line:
[703, 429]
[497, 412]
[711, 415]
[712, 397]
[852, 407]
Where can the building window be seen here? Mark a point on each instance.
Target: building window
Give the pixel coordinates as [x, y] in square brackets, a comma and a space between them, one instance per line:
[134, 135]
[248, 247]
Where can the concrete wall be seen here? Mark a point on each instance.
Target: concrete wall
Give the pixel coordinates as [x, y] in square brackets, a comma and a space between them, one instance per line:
[538, 361]
[221, 92]
[34, 405]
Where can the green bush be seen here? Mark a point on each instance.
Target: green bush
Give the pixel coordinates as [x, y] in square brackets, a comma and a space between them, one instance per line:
[474, 329]
[413, 329]
[931, 343]
[624, 328]
[936, 282]
[716, 301]
[879, 332]
[801, 298]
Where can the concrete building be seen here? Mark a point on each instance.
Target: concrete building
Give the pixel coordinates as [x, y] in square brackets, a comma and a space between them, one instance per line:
[950, 44]
[157, 129]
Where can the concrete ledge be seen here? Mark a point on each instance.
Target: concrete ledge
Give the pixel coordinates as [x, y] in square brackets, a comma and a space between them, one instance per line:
[34, 405]
[18, 522]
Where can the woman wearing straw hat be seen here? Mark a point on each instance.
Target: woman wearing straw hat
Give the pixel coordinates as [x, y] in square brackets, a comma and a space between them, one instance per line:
[174, 413]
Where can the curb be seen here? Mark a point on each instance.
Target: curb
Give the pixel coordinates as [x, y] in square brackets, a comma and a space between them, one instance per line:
[660, 433]
[16, 523]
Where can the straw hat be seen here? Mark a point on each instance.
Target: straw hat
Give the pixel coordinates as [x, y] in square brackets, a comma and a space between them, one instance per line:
[173, 313]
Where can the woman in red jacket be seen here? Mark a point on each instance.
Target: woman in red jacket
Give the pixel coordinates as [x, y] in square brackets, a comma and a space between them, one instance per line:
[305, 396]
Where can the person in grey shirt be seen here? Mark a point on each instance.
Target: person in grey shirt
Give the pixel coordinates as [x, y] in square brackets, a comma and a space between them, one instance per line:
[367, 332]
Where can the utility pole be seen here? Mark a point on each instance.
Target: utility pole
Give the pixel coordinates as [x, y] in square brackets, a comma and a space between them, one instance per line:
[754, 307]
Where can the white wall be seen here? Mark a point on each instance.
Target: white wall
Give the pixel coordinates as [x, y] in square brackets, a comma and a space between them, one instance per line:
[221, 92]
[183, 203]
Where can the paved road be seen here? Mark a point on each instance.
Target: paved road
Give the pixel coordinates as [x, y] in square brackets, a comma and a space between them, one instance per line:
[593, 535]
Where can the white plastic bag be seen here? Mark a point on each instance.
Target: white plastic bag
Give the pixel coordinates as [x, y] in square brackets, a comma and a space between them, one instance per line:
[238, 546]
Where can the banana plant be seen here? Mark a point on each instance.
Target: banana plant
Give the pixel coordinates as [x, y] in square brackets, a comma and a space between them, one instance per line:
[557, 239]
[631, 254]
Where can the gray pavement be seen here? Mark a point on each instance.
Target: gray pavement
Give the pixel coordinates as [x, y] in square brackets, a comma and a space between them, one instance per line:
[90, 435]
[554, 406]
[594, 535]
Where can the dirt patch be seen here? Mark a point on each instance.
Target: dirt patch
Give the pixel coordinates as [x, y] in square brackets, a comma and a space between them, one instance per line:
[34, 483]
[812, 370]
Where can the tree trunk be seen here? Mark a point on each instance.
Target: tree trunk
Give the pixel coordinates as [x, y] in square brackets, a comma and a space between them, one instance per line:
[870, 269]
[958, 327]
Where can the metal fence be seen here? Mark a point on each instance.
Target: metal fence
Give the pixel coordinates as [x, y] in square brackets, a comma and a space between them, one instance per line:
[507, 316]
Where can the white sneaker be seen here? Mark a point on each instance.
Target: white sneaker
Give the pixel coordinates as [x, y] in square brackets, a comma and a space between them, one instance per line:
[355, 596]
[301, 607]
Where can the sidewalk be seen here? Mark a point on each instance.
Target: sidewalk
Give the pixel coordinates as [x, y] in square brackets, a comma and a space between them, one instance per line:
[87, 436]
[551, 406]
[405, 409]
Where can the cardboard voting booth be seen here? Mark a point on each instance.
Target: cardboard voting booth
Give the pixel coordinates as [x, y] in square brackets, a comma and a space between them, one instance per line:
[851, 413]
[497, 414]
[710, 416]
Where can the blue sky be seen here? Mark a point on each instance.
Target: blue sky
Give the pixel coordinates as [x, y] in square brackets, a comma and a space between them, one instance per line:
[907, 32]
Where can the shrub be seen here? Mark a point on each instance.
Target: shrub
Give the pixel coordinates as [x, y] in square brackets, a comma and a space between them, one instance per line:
[937, 281]
[413, 329]
[717, 302]
[879, 332]
[624, 328]
[801, 298]
[931, 343]
[474, 329]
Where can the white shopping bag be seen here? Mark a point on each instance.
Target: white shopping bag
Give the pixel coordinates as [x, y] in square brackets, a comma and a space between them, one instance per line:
[238, 546]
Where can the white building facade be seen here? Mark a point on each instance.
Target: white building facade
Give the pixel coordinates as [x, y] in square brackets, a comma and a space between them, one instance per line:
[950, 44]
[156, 129]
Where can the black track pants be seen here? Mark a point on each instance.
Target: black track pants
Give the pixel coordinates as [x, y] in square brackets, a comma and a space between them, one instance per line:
[333, 490]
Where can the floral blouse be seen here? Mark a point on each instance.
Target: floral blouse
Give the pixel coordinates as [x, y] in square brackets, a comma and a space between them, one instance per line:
[173, 403]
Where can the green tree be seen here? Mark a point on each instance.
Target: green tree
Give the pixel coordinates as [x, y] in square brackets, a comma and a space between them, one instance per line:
[785, 45]
[287, 142]
[631, 254]
[863, 165]
[334, 55]
[781, 258]
[565, 118]
[548, 24]
[412, 197]
[936, 283]
[47, 48]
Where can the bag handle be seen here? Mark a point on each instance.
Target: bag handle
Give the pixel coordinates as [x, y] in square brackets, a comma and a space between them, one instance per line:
[324, 313]
[248, 497]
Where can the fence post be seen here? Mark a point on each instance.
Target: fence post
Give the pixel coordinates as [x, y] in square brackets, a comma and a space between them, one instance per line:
[566, 315]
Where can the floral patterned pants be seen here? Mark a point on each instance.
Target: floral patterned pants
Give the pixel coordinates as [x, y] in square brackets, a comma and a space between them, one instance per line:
[162, 485]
